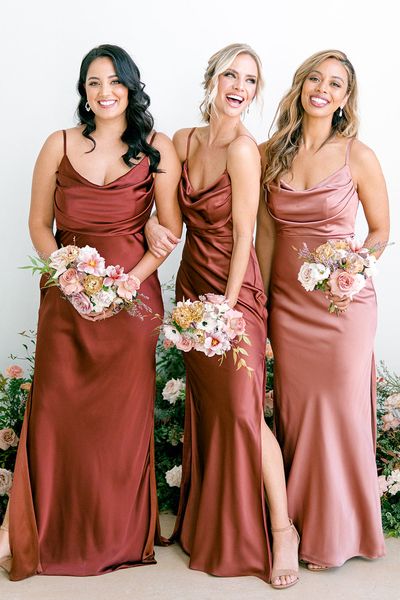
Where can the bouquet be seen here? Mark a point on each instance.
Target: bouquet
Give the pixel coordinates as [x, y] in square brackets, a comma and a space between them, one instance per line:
[90, 286]
[207, 325]
[338, 266]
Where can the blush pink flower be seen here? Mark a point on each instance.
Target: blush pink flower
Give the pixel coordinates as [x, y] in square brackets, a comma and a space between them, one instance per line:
[345, 284]
[70, 283]
[383, 485]
[8, 438]
[14, 372]
[6, 478]
[236, 323]
[168, 344]
[185, 344]
[81, 303]
[215, 298]
[90, 261]
[215, 343]
[114, 275]
[127, 289]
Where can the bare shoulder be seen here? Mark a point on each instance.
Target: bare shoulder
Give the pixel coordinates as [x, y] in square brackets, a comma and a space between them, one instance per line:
[363, 159]
[179, 139]
[244, 147]
[162, 142]
[53, 148]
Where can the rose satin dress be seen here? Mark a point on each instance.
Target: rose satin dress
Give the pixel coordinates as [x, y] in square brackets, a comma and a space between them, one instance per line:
[324, 382]
[84, 499]
[222, 515]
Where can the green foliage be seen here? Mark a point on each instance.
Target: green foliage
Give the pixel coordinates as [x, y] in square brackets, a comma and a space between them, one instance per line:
[169, 421]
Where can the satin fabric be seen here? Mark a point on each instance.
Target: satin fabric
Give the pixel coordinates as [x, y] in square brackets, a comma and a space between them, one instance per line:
[83, 500]
[222, 517]
[324, 382]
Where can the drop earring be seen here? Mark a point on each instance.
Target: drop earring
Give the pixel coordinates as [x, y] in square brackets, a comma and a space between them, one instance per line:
[87, 106]
[340, 112]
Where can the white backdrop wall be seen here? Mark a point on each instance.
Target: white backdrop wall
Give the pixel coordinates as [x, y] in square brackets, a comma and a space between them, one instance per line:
[43, 42]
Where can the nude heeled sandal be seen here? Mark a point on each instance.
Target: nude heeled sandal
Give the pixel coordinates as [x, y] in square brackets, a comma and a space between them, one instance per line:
[285, 572]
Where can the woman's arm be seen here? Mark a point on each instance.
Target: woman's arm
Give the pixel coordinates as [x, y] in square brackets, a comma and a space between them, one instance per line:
[244, 168]
[41, 216]
[265, 240]
[169, 216]
[371, 187]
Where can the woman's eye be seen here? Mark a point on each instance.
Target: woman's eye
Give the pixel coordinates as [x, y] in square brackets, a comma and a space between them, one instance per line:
[336, 84]
[229, 74]
[93, 83]
[116, 82]
[252, 80]
[313, 78]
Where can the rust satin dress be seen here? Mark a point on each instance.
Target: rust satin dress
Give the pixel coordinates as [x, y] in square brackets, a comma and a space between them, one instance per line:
[324, 382]
[83, 500]
[222, 515]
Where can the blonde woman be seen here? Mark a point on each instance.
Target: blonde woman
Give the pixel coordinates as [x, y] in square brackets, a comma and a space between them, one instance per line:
[316, 174]
[230, 455]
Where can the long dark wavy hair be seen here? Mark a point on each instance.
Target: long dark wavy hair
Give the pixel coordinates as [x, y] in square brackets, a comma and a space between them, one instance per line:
[139, 121]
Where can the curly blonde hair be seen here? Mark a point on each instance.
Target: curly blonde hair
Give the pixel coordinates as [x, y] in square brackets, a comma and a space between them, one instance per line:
[218, 64]
[284, 144]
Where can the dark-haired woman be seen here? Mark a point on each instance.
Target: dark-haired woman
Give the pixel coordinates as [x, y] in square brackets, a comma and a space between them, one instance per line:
[83, 500]
[317, 175]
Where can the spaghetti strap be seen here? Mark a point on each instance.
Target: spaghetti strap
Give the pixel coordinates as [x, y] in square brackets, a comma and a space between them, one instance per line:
[65, 141]
[188, 142]
[349, 145]
[152, 137]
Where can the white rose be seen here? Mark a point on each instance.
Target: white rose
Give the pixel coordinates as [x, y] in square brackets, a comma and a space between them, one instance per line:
[371, 268]
[5, 481]
[103, 299]
[383, 484]
[174, 476]
[307, 276]
[320, 271]
[172, 389]
[8, 438]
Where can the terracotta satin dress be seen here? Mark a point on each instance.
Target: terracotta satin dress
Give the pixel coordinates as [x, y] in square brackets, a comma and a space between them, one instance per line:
[324, 382]
[84, 500]
[222, 517]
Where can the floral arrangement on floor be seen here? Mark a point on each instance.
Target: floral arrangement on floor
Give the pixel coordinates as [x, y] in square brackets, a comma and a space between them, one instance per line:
[388, 449]
[169, 419]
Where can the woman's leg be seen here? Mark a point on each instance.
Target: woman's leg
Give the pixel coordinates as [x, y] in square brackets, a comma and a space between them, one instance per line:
[285, 540]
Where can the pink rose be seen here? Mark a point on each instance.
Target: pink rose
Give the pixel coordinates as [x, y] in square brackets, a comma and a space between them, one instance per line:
[69, 282]
[215, 298]
[81, 303]
[236, 323]
[127, 289]
[268, 350]
[168, 344]
[14, 372]
[346, 284]
[8, 438]
[185, 344]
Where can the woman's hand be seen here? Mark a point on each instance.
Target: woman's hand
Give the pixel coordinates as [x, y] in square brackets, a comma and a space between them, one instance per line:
[161, 240]
[105, 314]
[339, 302]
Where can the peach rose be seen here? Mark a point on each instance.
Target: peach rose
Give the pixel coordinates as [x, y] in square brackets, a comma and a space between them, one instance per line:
[69, 282]
[185, 344]
[268, 350]
[26, 386]
[8, 438]
[14, 372]
[5, 481]
[236, 323]
[345, 284]
[127, 289]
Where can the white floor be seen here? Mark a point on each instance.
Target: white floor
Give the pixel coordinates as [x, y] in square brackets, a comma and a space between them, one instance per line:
[170, 579]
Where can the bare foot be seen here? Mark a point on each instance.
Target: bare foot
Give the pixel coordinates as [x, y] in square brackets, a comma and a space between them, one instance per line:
[285, 556]
[315, 567]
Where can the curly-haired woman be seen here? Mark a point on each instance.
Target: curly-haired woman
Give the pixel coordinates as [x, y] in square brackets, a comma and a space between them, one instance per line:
[83, 500]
